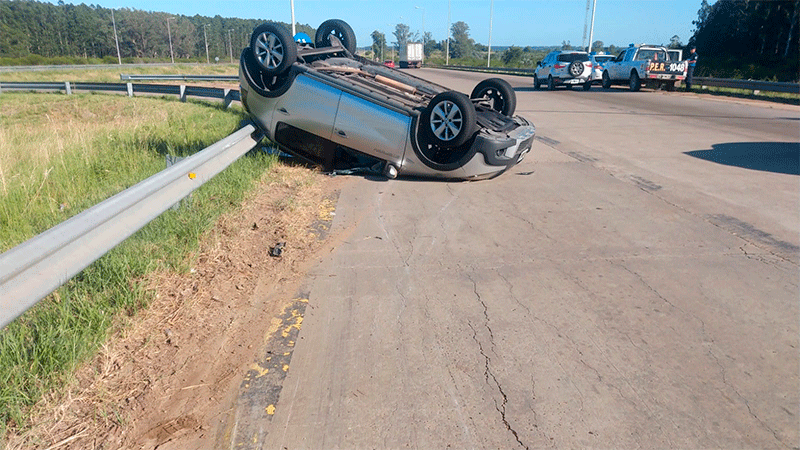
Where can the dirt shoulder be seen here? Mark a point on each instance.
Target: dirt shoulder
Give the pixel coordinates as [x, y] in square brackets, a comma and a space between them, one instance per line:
[169, 379]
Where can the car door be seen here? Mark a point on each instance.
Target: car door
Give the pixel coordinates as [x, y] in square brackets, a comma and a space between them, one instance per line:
[309, 105]
[371, 128]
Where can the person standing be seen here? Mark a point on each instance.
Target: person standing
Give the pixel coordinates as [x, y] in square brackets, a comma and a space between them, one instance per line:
[692, 60]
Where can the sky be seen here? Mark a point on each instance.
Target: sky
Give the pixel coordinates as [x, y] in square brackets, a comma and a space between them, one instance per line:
[503, 22]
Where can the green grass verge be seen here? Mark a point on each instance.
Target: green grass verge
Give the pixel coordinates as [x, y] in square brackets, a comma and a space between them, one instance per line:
[91, 74]
[61, 154]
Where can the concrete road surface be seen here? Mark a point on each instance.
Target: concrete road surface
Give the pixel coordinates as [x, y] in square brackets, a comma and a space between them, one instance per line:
[632, 284]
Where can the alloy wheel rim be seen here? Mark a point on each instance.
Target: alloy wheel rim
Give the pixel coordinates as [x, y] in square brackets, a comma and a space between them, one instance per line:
[446, 121]
[269, 50]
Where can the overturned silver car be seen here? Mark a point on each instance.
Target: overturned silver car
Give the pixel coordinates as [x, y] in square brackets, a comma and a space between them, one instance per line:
[322, 103]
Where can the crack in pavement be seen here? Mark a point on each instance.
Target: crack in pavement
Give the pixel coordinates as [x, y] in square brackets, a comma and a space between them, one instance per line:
[487, 373]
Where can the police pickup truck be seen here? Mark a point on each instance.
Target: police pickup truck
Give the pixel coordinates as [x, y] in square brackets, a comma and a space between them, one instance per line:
[650, 64]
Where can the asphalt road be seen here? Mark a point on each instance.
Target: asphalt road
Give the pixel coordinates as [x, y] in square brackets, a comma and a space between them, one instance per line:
[633, 283]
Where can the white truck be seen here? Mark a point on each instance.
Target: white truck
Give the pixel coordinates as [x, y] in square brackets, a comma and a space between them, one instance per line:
[652, 64]
[411, 55]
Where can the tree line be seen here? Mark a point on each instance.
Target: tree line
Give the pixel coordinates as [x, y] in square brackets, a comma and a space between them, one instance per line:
[748, 39]
[87, 31]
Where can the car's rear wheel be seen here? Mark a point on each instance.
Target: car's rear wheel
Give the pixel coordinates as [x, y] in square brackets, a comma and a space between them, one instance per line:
[606, 81]
[635, 82]
[273, 48]
[551, 83]
[449, 120]
[338, 28]
[670, 85]
[576, 68]
[587, 85]
[498, 93]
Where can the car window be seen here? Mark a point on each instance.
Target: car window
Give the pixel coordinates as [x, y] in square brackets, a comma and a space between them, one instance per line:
[569, 57]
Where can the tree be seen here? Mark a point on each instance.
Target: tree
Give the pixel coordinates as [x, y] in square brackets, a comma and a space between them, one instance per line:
[512, 53]
[565, 45]
[402, 35]
[597, 46]
[378, 43]
[461, 46]
[675, 42]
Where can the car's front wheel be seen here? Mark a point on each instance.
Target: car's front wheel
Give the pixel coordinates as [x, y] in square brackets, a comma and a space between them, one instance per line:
[498, 93]
[273, 48]
[536, 83]
[338, 28]
[449, 120]
[551, 83]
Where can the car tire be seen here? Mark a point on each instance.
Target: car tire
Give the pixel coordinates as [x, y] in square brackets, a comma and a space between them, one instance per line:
[536, 83]
[670, 86]
[449, 120]
[338, 28]
[576, 68]
[551, 83]
[568, 87]
[606, 81]
[587, 85]
[635, 83]
[499, 92]
[273, 48]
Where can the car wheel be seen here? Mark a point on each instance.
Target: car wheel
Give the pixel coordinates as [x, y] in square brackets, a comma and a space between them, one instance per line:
[338, 28]
[670, 85]
[568, 87]
[449, 120]
[536, 83]
[576, 68]
[499, 93]
[587, 85]
[635, 83]
[551, 83]
[606, 81]
[273, 48]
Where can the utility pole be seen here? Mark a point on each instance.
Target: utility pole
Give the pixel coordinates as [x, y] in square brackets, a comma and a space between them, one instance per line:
[230, 44]
[119, 58]
[205, 36]
[169, 33]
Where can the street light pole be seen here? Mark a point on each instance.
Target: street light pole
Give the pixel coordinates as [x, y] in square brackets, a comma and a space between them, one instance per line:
[491, 19]
[230, 44]
[294, 29]
[423, 32]
[169, 33]
[447, 50]
[591, 27]
[205, 37]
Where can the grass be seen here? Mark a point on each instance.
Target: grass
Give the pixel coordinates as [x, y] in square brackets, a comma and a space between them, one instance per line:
[61, 154]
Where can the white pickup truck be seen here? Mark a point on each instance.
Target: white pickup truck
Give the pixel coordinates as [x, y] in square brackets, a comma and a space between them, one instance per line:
[640, 64]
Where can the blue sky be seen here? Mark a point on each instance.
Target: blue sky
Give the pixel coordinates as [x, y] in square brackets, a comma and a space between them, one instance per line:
[513, 22]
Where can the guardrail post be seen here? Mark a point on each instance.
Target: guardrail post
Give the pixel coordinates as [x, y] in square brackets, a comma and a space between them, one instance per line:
[130, 89]
[67, 88]
[227, 99]
[183, 93]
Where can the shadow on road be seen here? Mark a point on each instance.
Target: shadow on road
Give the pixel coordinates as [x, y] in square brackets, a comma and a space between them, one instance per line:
[777, 157]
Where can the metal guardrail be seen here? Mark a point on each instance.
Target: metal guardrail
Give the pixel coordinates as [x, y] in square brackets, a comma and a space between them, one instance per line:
[125, 77]
[182, 91]
[35, 268]
[765, 86]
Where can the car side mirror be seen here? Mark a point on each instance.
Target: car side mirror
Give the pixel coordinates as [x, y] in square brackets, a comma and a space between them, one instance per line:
[538, 64]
